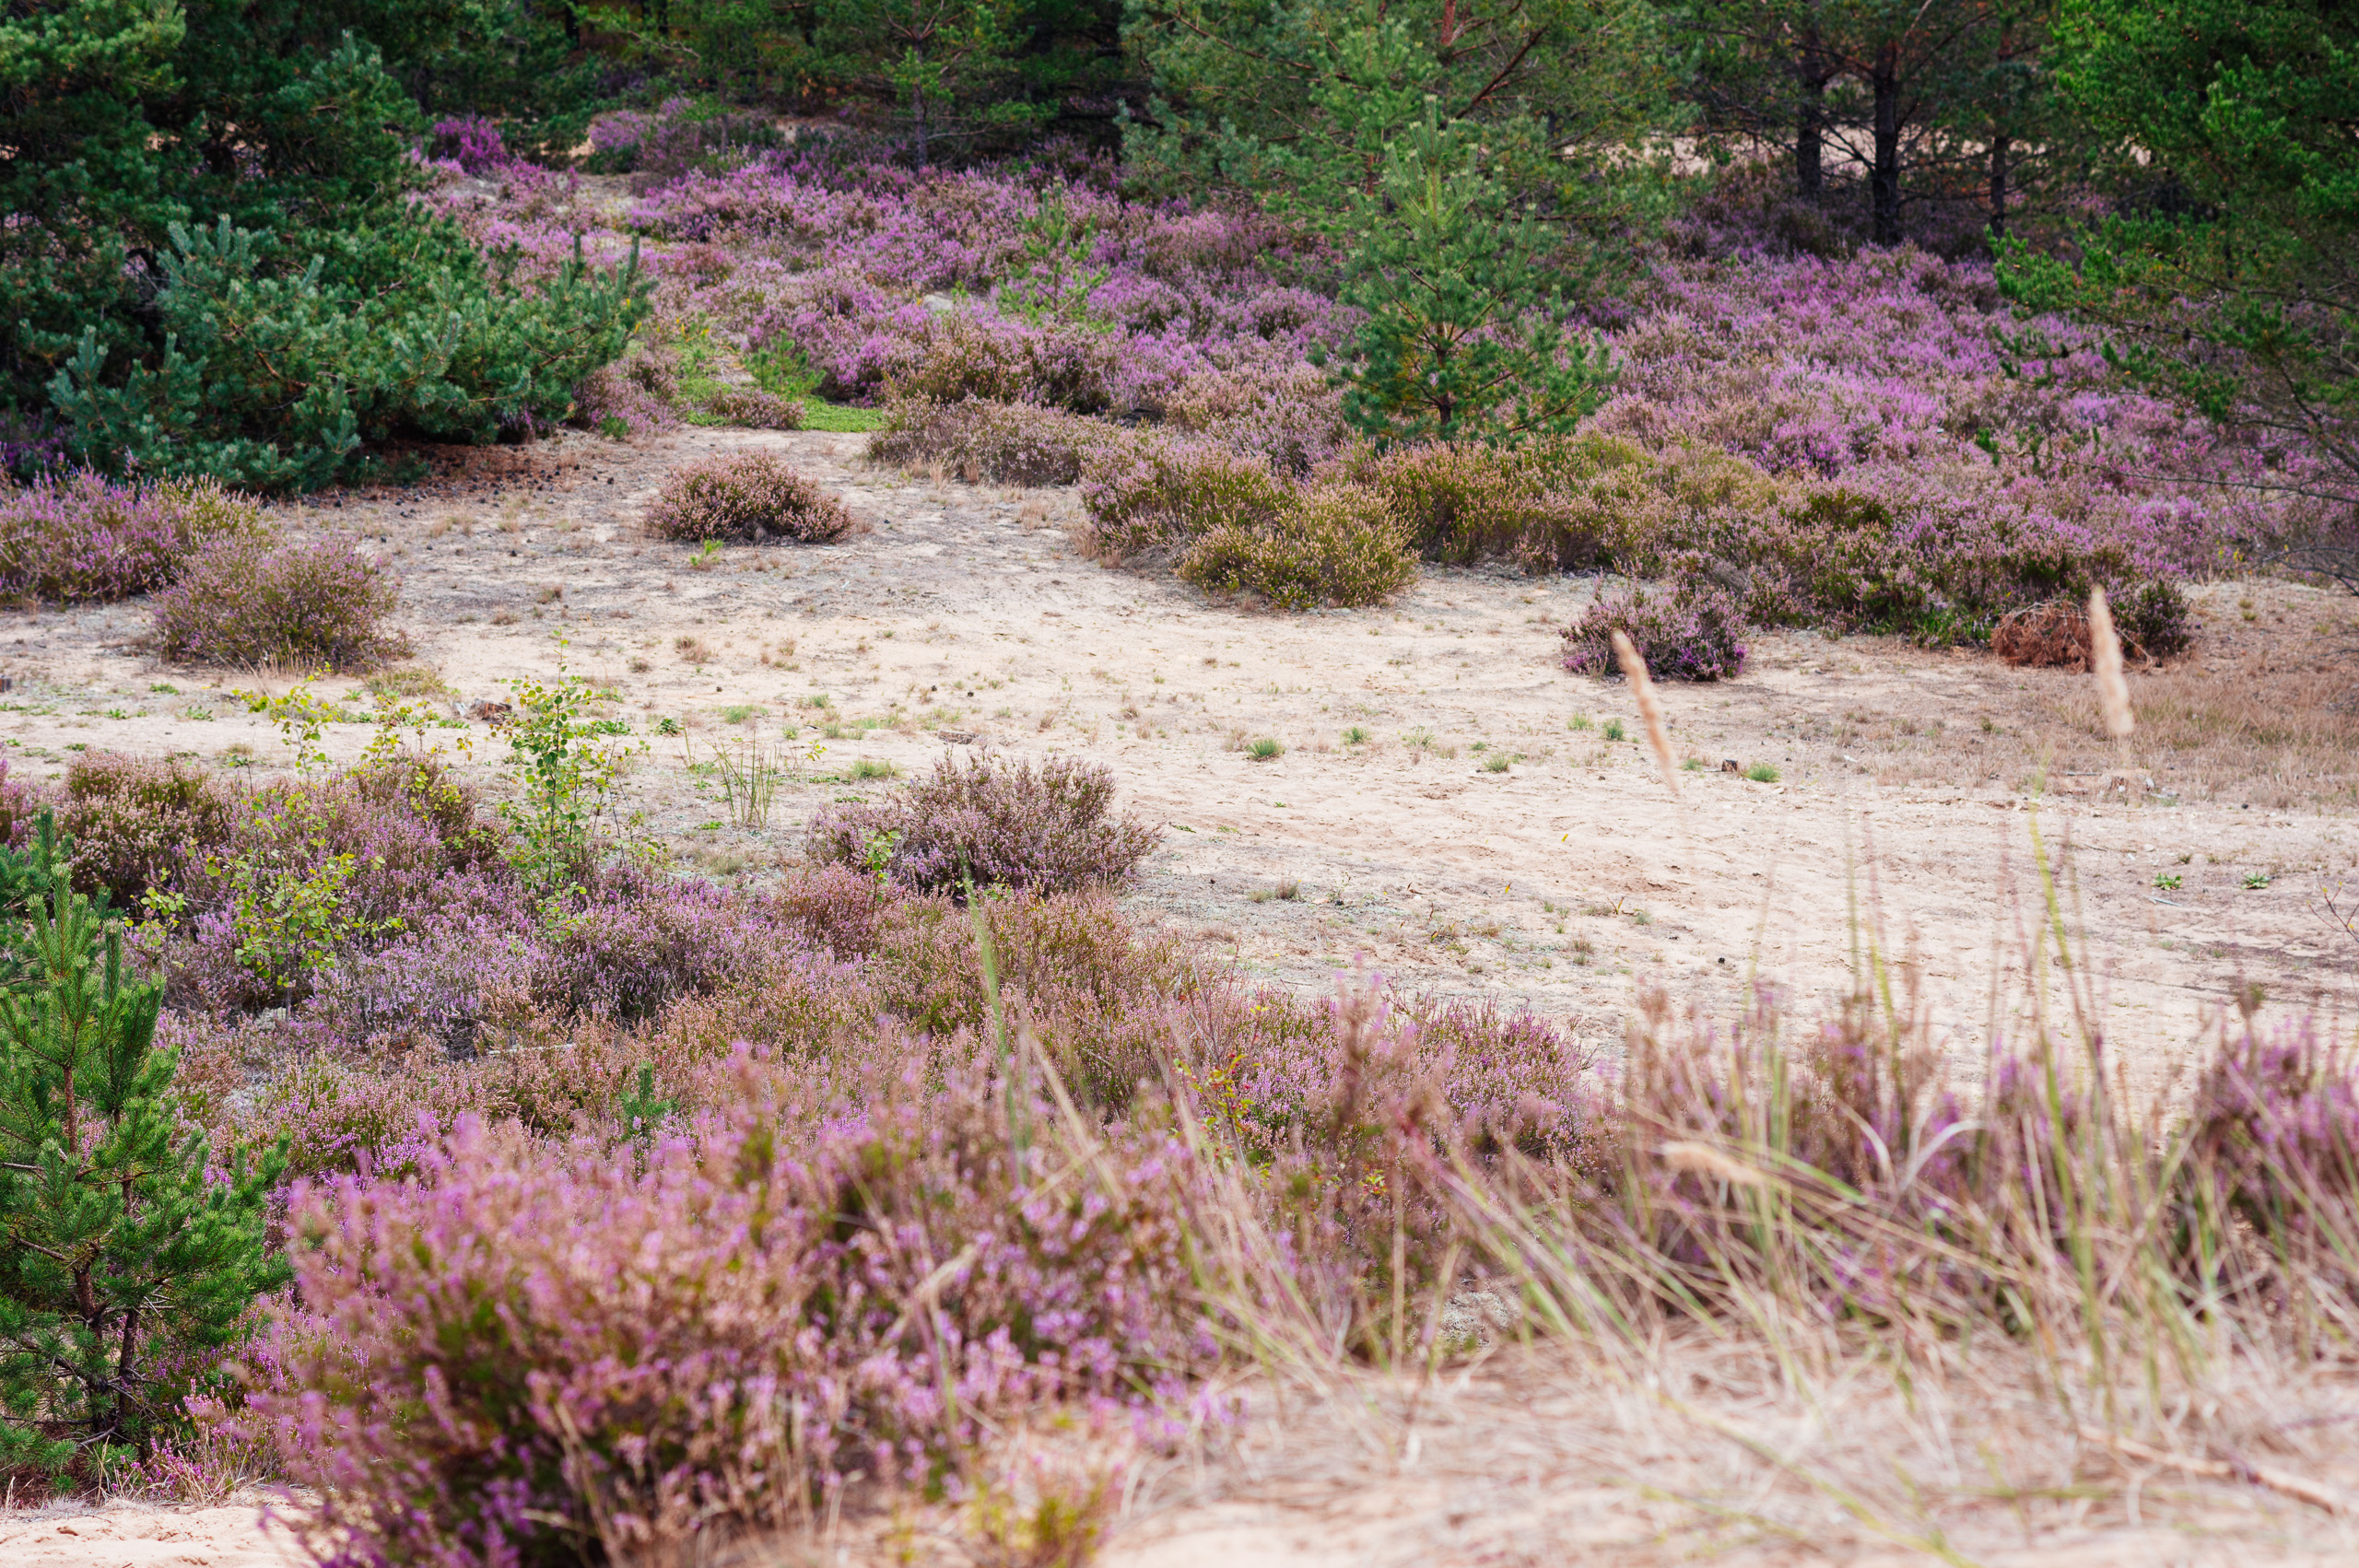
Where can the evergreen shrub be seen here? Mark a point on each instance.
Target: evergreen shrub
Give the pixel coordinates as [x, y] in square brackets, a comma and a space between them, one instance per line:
[134, 1257]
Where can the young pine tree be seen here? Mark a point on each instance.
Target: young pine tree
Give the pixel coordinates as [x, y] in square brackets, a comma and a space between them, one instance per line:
[1464, 337]
[128, 1264]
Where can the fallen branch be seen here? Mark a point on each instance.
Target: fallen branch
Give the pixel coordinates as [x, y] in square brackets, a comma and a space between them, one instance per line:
[2307, 1490]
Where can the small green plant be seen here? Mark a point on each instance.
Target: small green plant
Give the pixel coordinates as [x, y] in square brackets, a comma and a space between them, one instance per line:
[569, 762]
[738, 712]
[164, 686]
[133, 1258]
[869, 767]
[1762, 773]
[290, 921]
[1497, 762]
[876, 854]
[641, 1111]
[1614, 731]
[1580, 721]
[667, 726]
[750, 776]
[1693, 764]
[706, 556]
[1263, 749]
[1418, 739]
[2256, 881]
[1287, 891]
[2169, 882]
[1355, 736]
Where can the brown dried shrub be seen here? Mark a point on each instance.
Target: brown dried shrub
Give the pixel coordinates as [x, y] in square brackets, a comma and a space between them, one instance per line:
[2051, 636]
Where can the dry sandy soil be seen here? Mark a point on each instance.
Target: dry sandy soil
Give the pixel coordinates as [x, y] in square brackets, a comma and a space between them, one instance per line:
[1912, 787]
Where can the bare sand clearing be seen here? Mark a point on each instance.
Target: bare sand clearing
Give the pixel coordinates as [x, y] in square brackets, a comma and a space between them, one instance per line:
[139, 1535]
[1911, 784]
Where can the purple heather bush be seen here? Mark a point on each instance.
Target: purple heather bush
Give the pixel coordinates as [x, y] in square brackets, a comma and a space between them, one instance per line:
[990, 823]
[756, 409]
[472, 143]
[748, 499]
[315, 604]
[632, 1352]
[1691, 634]
[1005, 443]
[534, 1137]
[141, 823]
[83, 537]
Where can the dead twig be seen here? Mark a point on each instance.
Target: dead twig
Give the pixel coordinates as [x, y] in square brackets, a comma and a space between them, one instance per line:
[2276, 1480]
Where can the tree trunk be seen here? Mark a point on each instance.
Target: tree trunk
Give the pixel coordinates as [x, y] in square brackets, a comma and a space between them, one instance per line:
[2000, 145]
[1810, 120]
[1884, 180]
[917, 114]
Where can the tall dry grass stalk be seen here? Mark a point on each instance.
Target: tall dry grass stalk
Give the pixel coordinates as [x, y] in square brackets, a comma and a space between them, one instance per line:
[2105, 663]
[1650, 708]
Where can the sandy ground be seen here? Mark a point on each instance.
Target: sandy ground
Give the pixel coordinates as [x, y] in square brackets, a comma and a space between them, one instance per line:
[1911, 785]
[1911, 782]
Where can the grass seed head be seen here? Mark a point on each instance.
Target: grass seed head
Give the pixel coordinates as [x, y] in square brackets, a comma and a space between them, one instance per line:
[2105, 661]
[1650, 708]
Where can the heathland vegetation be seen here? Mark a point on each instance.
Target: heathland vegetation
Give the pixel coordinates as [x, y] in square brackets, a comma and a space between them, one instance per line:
[437, 1148]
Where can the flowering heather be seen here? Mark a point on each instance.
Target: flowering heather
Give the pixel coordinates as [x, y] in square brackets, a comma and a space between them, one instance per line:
[748, 499]
[992, 823]
[631, 1351]
[472, 143]
[1007, 443]
[317, 604]
[83, 537]
[1691, 634]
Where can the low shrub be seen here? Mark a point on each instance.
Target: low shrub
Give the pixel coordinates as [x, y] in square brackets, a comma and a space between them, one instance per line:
[1152, 496]
[1335, 544]
[998, 823]
[1056, 365]
[83, 537]
[750, 498]
[628, 399]
[141, 823]
[1003, 443]
[2153, 621]
[756, 409]
[1549, 505]
[642, 1354]
[245, 602]
[1689, 635]
[640, 940]
[2054, 635]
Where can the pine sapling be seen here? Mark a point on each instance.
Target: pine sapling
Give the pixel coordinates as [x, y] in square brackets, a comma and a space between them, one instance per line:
[131, 1260]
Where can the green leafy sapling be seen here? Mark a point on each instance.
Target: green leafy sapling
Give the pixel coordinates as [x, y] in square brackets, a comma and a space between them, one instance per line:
[131, 1261]
[569, 761]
